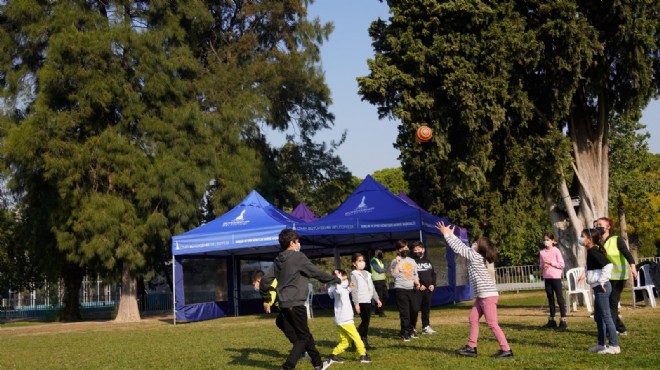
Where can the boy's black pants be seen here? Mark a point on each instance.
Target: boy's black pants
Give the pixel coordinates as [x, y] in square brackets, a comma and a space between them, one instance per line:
[296, 317]
[407, 302]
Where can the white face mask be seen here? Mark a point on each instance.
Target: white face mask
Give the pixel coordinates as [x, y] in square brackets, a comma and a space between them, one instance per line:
[344, 283]
[548, 243]
[360, 265]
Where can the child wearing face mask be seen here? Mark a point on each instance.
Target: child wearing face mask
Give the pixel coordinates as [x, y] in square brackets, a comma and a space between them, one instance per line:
[551, 263]
[363, 291]
[406, 281]
[344, 320]
[427, 279]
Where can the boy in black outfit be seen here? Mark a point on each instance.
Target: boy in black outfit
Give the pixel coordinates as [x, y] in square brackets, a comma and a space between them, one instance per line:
[427, 278]
[293, 270]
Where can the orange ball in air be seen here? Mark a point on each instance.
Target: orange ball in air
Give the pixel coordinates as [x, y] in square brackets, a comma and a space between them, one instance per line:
[424, 134]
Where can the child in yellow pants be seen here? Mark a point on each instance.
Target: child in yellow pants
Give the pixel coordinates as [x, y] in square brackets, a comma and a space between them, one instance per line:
[344, 319]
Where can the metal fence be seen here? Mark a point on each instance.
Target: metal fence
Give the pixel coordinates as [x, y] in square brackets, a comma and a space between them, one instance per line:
[530, 277]
[518, 278]
[97, 299]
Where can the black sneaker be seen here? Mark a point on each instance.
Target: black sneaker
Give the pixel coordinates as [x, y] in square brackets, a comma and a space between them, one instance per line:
[335, 359]
[503, 354]
[468, 351]
[405, 338]
[551, 324]
[563, 325]
[365, 359]
[324, 365]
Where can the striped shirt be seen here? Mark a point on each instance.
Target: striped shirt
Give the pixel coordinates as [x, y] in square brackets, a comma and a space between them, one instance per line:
[477, 270]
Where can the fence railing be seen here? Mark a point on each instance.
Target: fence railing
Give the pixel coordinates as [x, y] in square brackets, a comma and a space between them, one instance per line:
[518, 278]
[530, 277]
[96, 298]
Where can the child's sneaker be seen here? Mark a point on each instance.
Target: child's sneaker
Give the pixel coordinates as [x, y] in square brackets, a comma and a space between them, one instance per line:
[323, 366]
[551, 323]
[468, 351]
[610, 350]
[597, 348]
[562, 325]
[365, 359]
[405, 338]
[335, 359]
[427, 330]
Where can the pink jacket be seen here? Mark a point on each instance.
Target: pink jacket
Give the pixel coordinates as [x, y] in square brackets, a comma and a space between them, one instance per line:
[556, 263]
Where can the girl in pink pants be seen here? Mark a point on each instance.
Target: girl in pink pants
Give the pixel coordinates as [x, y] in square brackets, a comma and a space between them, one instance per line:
[482, 252]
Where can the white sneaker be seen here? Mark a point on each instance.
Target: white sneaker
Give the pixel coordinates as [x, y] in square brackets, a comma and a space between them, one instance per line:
[428, 330]
[597, 348]
[326, 364]
[611, 350]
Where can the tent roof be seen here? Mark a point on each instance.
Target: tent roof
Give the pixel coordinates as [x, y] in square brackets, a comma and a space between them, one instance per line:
[407, 199]
[252, 224]
[302, 212]
[372, 214]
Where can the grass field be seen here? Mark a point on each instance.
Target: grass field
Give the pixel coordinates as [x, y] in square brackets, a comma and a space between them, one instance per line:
[253, 342]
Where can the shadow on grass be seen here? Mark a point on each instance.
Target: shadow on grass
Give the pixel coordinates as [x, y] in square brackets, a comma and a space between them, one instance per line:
[242, 357]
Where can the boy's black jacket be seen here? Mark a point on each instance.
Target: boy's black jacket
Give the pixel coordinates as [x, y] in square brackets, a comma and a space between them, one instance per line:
[292, 270]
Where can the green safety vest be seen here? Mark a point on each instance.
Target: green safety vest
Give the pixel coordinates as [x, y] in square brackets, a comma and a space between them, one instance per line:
[620, 269]
[375, 275]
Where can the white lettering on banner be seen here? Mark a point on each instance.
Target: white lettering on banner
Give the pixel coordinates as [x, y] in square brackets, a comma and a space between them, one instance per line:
[326, 227]
[393, 224]
[255, 240]
[201, 245]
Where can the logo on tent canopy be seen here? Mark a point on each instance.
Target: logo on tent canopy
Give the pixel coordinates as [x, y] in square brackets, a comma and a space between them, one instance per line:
[361, 208]
[237, 221]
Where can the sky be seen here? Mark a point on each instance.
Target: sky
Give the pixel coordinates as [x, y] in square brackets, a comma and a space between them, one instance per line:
[369, 144]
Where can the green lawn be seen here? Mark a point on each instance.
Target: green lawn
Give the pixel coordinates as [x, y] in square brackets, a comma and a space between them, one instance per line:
[253, 342]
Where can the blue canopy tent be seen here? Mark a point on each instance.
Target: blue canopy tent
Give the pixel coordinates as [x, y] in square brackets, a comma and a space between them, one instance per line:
[302, 212]
[373, 217]
[205, 269]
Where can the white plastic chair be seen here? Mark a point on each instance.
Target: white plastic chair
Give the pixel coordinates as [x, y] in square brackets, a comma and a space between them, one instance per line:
[308, 301]
[647, 289]
[576, 288]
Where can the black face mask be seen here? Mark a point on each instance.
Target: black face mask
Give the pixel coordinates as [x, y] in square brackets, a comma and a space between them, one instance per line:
[601, 230]
[419, 255]
[404, 253]
[380, 256]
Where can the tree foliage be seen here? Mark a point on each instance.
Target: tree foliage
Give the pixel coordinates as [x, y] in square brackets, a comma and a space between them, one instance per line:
[520, 96]
[128, 122]
[393, 179]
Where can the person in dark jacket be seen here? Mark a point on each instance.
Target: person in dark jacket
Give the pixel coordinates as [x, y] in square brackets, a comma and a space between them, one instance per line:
[427, 278]
[293, 270]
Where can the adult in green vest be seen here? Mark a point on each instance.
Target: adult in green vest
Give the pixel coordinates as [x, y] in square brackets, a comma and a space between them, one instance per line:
[619, 255]
[379, 277]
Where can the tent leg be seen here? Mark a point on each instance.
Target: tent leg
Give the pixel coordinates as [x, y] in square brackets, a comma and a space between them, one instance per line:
[335, 251]
[174, 289]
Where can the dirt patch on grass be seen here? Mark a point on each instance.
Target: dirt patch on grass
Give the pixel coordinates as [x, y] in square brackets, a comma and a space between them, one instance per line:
[41, 328]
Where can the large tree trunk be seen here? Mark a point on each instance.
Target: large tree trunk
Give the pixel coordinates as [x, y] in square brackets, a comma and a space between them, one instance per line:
[591, 171]
[73, 277]
[128, 308]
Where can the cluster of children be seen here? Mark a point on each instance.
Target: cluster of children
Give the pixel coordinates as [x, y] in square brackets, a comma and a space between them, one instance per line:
[606, 272]
[414, 284]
